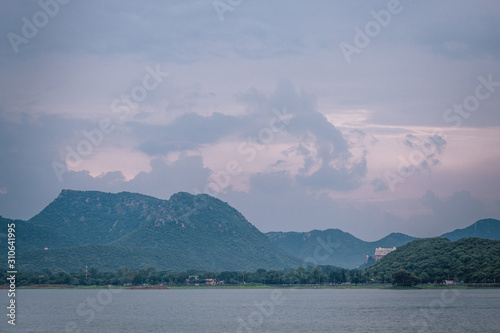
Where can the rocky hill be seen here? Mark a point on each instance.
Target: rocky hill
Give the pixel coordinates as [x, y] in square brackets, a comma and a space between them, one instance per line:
[109, 231]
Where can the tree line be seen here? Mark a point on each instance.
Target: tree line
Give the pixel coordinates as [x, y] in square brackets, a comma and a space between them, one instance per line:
[150, 276]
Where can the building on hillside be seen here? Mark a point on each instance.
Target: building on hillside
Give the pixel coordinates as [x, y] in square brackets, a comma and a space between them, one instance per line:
[380, 252]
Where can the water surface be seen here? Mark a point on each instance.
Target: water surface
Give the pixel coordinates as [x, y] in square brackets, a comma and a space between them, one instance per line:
[255, 310]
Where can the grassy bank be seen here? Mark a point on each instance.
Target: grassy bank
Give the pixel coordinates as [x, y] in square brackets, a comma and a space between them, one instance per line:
[263, 286]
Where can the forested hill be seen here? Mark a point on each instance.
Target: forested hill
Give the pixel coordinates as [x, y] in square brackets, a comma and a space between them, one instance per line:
[109, 231]
[486, 228]
[339, 248]
[437, 259]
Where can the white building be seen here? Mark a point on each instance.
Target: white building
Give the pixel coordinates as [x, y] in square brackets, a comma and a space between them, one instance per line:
[381, 251]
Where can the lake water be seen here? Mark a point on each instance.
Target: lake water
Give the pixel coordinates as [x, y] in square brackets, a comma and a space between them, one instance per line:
[255, 310]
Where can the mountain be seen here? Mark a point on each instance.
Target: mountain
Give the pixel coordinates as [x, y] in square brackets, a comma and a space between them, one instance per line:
[110, 231]
[438, 259]
[487, 228]
[333, 246]
[338, 248]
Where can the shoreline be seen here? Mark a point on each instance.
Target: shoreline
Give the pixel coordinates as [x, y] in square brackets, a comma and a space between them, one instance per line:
[260, 286]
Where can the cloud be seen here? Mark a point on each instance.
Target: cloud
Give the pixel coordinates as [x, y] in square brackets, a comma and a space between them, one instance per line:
[459, 210]
[276, 202]
[467, 33]
[328, 161]
[186, 174]
[28, 146]
[379, 185]
[274, 183]
[460, 206]
[425, 153]
[436, 140]
[221, 93]
[187, 132]
[338, 179]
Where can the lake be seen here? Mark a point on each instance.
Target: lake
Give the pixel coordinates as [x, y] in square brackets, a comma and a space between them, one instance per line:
[255, 310]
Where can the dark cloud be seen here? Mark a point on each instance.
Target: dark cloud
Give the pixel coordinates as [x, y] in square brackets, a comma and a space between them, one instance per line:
[28, 146]
[308, 122]
[460, 206]
[468, 31]
[185, 174]
[379, 185]
[185, 133]
[329, 146]
[162, 181]
[150, 28]
[274, 183]
[276, 202]
[338, 179]
[459, 210]
[425, 153]
[435, 140]
[192, 130]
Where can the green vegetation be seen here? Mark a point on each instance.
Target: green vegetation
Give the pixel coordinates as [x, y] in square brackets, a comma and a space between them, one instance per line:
[404, 278]
[186, 233]
[338, 248]
[110, 231]
[261, 278]
[471, 260]
[486, 228]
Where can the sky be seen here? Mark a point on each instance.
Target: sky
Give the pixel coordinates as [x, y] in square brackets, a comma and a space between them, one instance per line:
[367, 116]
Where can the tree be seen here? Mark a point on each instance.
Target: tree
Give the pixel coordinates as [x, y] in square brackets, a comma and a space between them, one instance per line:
[299, 273]
[316, 275]
[404, 278]
[138, 280]
[334, 277]
[93, 272]
[424, 277]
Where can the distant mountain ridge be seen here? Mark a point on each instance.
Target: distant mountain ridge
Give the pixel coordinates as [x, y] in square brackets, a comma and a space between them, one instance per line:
[333, 246]
[486, 228]
[338, 248]
[109, 231]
